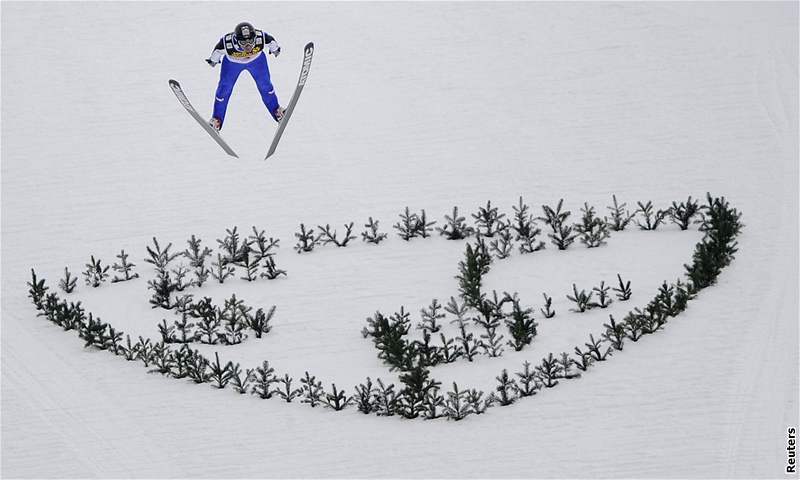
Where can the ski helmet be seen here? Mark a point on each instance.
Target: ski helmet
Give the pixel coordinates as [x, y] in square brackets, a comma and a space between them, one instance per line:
[245, 34]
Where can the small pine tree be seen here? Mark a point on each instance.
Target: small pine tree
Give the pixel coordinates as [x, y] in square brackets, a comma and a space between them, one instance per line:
[593, 231]
[614, 334]
[549, 371]
[198, 367]
[125, 268]
[68, 283]
[179, 275]
[365, 397]
[327, 236]
[407, 227]
[312, 390]
[167, 332]
[259, 322]
[620, 218]
[285, 391]
[263, 378]
[234, 248]
[527, 385]
[162, 287]
[423, 227]
[222, 269]
[430, 316]
[503, 244]
[597, 352]
[208, 321]
[197, 256]
[93, 332]
[271, 272]
[507, 389]
[456, 406]
[337, 399]
[37, 291]
[250, 263]
[633, 327]
[652, 219]
[434, 404]
[548, 311]
[584, 359]
[603, 298]
[491, 343]
[624, 291]
[562, 236]
[220, 374]
[449, 352]
[471, 271]
[95, 273]
[130, 350]
[582, 300]
[456, 227]
[372, 234]
[159, 258]
[521, 325]
[411, 401]
[525, 229]
[469, 347]
[241, 380]
[145, 348]
[385, 399]
[566, 364]
[682, 213]
[306, 239]
[488, 220]
[478, 404]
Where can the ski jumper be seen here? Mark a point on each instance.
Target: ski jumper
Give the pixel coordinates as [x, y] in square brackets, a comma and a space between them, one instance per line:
[234, 60]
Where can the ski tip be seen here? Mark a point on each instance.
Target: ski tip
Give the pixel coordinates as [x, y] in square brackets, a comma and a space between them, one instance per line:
[174, 83]
[309, 45]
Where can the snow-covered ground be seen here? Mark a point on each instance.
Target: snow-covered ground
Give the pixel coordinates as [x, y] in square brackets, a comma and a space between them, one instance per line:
[426, 105]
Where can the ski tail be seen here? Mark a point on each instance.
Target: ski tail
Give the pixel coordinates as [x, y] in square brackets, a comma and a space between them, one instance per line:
[184, 100]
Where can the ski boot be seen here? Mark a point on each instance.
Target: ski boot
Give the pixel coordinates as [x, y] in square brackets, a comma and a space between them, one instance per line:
[278, 115]
[215, 124]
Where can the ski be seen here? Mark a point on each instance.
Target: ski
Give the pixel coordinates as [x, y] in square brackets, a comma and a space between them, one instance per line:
[287, 113]
[178, 91]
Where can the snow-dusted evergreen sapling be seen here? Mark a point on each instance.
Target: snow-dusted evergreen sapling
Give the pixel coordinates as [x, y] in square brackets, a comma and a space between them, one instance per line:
[312, 390]
[261, 247]
[593, 231]
[633, 327]
[95, 273]
[562, 236]
[159, 258]
[234, 318]
[218, 374]
[337, 399]
[615, 333]
[549, 371]
[222, 269]
[407, 226]
[583, 300]
[468, 344]
[129, 350]
[492, 343]
[197, 256]
[163, 288]
[507, 389]
[327, 236]
[681, 214]
[233, 247]
[182, 356]
[365, 397]
[250, 264]
[93, 332]
[503, 244]
[434, 404]
[488, 220]
[584, 359]
[449, 351]
[456, 406]
[624, 290]
[198, 368]
[596, 350]
[37, 290]
[179, 278]
[430, 317]
[68, 283]
[167, 332]
[259, 322]
[720, 225]
[521, 325]
[240, 380]
[372, 234]
[566, 364]
[263, 378]
[652, 219]
[477, 403]
[208, 321]
[525, 229]
[306, 239]
[125, 268]
[162, 359]
[471, 271]
[620, 218]
[456, 227]
[271, 272]
[411, 400]
[145, 348]
[603, 298]
[527, 385]
[548, 311]
[427, 353]
[385, 399]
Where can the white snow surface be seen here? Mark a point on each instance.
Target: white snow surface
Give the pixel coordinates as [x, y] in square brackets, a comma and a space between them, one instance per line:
[426, 105]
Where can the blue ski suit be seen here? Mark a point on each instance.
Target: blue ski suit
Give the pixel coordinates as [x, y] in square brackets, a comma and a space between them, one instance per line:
[235, 60]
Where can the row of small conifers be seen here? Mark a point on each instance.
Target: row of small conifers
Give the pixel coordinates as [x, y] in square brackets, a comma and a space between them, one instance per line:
[418, 394]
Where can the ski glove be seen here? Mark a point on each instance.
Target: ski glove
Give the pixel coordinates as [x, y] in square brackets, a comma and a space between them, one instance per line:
[211, 63]
[274, 48]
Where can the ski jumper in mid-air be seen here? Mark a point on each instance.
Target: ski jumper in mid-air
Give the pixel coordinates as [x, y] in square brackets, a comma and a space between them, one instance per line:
[243, 49]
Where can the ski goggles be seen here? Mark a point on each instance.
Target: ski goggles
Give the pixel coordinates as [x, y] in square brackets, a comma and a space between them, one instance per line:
[247, 44]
